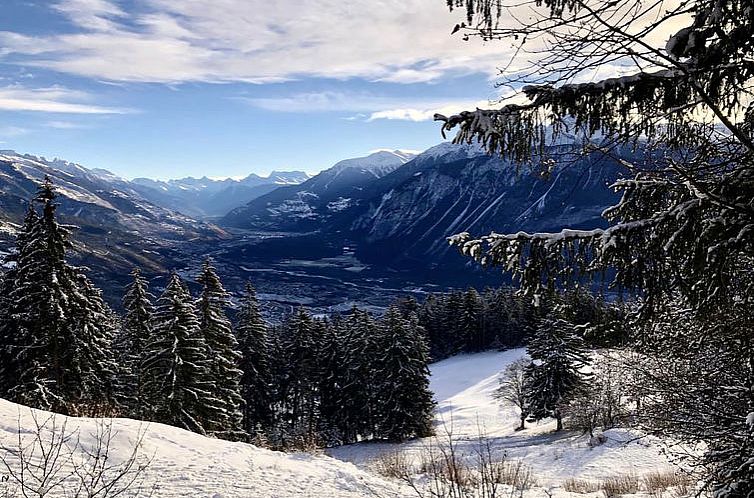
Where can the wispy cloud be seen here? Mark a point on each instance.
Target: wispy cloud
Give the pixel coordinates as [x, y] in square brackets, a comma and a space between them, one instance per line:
[12, 131]
[65, 125]
[52, 100]
[368, 107]
[258, 41]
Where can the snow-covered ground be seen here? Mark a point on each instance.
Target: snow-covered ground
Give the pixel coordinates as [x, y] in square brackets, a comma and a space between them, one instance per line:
[463, 387]
[187, 464]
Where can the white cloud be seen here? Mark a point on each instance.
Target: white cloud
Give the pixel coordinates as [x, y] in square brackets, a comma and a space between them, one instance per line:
[369, 107]
[52, 99]
[12, 131]
[65, 125]
[403, 41]
[91, 14]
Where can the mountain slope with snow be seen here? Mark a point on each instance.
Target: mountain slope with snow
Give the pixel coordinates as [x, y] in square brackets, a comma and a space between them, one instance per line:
[185, 464]
[117, 227]
[401, 220]
[318, 200]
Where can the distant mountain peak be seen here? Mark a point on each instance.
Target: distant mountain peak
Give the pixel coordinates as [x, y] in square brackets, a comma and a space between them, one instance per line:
[378, 163]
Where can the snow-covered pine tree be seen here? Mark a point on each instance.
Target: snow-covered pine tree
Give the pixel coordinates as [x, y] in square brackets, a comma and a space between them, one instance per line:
[224, 355]
[177, 372]
[558, 355]
[256, 381]
[472, 326]
[131, 342]
[61, 350]
[10, 343]
[94, 325]
[403, 401]
[334, 359]
[347, 388]
[300, 377]
[360, 384]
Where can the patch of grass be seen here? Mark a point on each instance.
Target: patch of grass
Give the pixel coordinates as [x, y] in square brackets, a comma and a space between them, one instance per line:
[656, 483]
[514, 473]
[393, 464]
[626, 484]
[581, 486]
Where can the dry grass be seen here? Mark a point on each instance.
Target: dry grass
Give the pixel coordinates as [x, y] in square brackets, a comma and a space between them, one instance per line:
[393, 464]
[581, 486]
[656, 483]
[515, 474]
[626, 484]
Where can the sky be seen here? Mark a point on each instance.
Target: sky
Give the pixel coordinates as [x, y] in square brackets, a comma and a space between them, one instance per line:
[173, 88]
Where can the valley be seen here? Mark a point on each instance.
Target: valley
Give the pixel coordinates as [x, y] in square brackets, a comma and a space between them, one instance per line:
[362, 232]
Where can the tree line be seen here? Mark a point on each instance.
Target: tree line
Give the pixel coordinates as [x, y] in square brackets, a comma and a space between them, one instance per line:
[178, 359]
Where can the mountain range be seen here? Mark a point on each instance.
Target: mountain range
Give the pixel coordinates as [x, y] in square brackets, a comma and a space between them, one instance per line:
[206, 197]
[360, 232]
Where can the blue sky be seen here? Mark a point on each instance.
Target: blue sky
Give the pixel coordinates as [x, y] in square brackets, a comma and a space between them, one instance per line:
[173, 88]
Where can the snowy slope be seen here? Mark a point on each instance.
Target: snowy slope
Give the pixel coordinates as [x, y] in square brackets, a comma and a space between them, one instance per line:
[185, 464]
[463, 387]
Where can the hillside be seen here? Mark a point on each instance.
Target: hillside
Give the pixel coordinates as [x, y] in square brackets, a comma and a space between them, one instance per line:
[464, 387]
[187, 464]
[117, 227]
[400, 221]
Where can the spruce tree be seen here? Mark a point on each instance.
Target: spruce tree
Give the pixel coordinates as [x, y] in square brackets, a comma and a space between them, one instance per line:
[224, 356]
[178, 383]
[56, 327]
[558, 355]
[403, 400]
[256, 381]
[10, 343]
[472, 331]
[347, 387]
[131, 343]
[300, 345]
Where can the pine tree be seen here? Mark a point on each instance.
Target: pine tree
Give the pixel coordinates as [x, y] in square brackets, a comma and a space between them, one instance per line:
[347, 388]
[178, 384]
[223, 354]
[557, 355]
[61, 329]
[403, 400]
[472, 331]
[298, 390]
[256, 381]
[10, 343]
[132, 341]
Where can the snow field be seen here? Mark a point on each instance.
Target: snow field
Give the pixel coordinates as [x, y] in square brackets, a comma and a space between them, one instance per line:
[464, 387]
[187, 464]
[184, 464]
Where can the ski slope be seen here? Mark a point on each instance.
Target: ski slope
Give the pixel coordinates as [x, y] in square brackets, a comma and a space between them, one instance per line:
[463, 387]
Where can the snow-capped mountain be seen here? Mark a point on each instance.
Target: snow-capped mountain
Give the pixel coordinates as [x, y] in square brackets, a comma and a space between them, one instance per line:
[361, 230]
[402, 219]
[206, 197]
[118, 227]
[319, 198]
